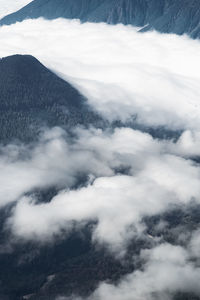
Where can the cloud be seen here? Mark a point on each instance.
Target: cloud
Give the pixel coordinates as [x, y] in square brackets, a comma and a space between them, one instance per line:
[154, 180]
[158, 176]
[51, 162]
[122, 72]
[194, 244]
[58, 160]
[188, 144]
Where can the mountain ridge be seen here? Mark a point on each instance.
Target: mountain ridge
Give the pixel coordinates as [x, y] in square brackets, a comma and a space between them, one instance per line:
[166, 16]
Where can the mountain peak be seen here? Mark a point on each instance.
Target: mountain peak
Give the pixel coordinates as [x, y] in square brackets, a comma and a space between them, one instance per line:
[32, 97]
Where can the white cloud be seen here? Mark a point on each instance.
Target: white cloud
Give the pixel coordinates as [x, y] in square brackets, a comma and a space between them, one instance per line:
[122, 72]
[155, 180]
[52, 162]
[58, 160]
[194, 245]
[188, 144]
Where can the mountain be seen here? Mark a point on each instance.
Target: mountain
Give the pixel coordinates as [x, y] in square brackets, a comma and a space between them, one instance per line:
[136, 12]
[32, 97]
[168, 16]
[182, 16]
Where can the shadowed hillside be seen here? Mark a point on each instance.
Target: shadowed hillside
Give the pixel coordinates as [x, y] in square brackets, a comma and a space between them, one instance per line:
[32, 97]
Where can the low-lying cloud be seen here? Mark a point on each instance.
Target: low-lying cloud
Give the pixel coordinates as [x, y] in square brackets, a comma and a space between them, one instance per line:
[123, 73]
[167, 270]
[130, 176]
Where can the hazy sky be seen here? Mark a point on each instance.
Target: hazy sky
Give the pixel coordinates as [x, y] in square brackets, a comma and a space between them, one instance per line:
[10, 6]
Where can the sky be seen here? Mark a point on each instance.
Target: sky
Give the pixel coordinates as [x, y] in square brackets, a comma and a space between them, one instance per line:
[124, 74]
[8, 7]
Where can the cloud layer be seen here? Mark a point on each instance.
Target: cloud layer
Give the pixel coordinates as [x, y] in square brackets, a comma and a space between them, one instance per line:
[122, 72]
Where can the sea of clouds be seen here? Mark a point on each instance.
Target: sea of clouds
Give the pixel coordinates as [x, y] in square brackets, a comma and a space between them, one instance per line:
[124, 74]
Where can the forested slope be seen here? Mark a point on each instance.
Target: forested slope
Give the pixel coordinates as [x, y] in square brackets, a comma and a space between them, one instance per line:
[33, 97]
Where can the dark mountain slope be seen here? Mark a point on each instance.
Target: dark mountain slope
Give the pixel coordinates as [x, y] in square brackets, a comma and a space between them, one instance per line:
[32, 96]
[178, 16]
[181, 17]
[136, 12]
